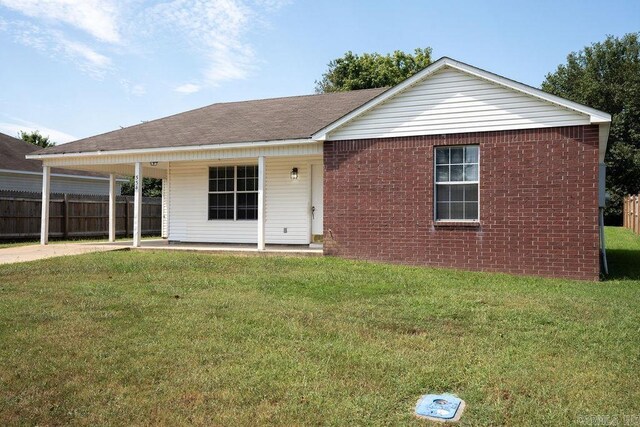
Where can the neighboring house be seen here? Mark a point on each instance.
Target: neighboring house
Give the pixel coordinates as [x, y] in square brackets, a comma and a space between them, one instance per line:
[20, 174]
[454, 167]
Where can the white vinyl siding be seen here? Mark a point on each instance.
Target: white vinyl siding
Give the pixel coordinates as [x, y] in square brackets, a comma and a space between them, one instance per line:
[287, 204]
[287, 201]
[451, 101]
[33, 183]
[188, 209]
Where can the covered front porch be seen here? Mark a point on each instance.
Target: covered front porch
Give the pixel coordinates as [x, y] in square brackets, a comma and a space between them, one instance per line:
[252, 198]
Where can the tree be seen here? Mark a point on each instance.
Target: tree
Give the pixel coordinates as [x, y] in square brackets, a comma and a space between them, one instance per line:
[36, 138]
[371, 70]
[151, 187]
[623, 163]
[606, 76]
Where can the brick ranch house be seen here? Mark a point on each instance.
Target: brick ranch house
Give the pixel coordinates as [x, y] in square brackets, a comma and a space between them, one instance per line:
[453, 167]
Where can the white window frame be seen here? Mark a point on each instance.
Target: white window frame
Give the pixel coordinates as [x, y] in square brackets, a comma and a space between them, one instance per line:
[436, 183]
[235, 191]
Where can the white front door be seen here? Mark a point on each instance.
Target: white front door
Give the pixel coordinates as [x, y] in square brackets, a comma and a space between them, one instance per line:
[316, 199]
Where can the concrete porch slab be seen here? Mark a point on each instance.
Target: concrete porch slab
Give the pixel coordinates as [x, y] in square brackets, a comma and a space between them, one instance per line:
[248, 249]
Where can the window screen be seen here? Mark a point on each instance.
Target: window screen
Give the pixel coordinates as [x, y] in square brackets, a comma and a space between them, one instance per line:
[457, 183]
[233, 192]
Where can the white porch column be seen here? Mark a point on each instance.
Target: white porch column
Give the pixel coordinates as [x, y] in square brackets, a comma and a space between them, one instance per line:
[164, 226]
[261, 175]
[112, 208]
[44, 219]
[137, 205]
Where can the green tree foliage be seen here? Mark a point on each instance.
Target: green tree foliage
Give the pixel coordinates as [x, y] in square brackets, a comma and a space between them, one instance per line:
[36, 138]
[151, 187]
[371, 70]
[623, 177]
[606, 76]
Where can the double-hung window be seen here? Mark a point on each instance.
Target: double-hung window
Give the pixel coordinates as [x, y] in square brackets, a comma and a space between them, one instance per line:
[457, 183]
[233, 192]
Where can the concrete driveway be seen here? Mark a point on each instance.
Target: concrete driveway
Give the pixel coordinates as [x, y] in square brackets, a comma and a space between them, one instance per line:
[26, 253]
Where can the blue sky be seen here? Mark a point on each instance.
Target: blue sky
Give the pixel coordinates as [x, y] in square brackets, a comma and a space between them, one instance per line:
[76, 68]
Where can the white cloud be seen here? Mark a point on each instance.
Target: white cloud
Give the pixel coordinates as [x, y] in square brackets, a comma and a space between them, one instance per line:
[56, 45]
[85, 53]
[273, 4]
[215, 33]
[138, 90]
[216, 30]
[133, 88]
[188, 88]
[54, 135]
[98, 18]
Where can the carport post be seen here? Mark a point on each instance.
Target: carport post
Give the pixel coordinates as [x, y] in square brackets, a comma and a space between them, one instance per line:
[44, 219]
[137, 206]
[112, 208]
[261, 176]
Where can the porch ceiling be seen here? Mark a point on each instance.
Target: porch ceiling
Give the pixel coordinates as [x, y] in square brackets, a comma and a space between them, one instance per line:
[123, 163]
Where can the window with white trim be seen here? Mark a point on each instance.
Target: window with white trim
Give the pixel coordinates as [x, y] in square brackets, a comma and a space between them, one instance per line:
[233, 192]
[457, 183]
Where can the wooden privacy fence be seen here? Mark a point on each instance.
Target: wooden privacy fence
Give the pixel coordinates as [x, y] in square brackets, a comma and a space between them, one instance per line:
[72, 215]
[631, 213]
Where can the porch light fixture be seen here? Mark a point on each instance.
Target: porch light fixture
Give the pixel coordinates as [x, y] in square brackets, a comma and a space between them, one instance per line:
[153, 163]
[294, 173]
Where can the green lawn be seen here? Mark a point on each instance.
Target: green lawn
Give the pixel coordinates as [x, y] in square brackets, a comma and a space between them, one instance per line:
[176, 338]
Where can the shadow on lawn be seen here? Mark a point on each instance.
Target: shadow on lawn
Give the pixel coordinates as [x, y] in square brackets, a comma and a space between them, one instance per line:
[623, 264]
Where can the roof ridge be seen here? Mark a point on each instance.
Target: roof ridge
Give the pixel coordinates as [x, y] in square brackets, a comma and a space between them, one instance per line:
[296, 96]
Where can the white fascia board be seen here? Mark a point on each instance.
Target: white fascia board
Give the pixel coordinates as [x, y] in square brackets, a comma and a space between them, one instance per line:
[595, 116]
[61, 175]
[223, 146]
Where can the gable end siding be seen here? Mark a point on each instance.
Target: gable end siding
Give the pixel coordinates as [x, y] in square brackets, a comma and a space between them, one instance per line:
[451, 101]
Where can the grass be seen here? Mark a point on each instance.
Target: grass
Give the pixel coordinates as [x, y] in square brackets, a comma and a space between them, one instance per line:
[623, 253]
[175, 338]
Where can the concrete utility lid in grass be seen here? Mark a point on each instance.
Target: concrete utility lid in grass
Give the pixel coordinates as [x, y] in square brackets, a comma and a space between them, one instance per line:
[440, 407]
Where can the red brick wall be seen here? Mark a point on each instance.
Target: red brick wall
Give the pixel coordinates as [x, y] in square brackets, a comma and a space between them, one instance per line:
[538, 202]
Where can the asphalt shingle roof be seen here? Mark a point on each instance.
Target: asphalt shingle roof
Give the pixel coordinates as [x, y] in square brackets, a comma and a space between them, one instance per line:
[13, 150]
[274, 119]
